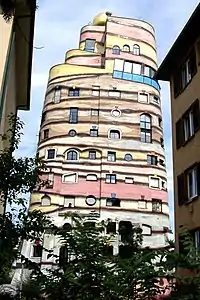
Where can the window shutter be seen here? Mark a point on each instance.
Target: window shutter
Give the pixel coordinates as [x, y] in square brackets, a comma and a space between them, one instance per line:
[196, 115]
[193, 64]
[198, 178]
[177, 83]
[182, 188]
[179, 133]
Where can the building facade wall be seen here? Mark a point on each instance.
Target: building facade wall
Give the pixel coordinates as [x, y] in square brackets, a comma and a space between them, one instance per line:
[114, 91]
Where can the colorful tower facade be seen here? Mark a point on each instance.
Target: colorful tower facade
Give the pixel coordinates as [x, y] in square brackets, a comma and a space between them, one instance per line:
[101, 131]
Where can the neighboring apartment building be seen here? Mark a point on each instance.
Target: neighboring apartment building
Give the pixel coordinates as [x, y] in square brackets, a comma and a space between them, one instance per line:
[182, 68]
[15, 64]
[101, 135]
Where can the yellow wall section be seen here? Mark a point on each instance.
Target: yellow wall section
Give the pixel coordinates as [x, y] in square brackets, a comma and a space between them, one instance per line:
[98, 48]
[145, 49]
[78, 52]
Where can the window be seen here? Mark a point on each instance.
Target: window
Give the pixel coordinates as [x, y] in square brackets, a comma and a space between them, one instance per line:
[73, 92]
[156, 99]
[128, 66]
[128, 157]
[73, 115]
[152, 160]
[90, 200]
[69, 201]
[43, 119]
[92, 154]
[160, 122]
[46, 133]
[147, 71]
[72, 155]
[37, 248]
[157, 205]
[142, 204]
[114, 134]
[70, 178]
[111, 227]
[136, 49]
[91, 177]
[89, 45]
[192, 183]
[129, 180]
[57, 94]
[72, 132]
[145, 128]
[188, 125]
[50, 180]
[63, 256]
[95, 90]
[164, 185]
[154, 182]
[196, 235]
[114, 93]
[126, 48]
[146, 229]
[113, 202]
[45, 200]
[119, 65]
[142, 97]
[94, 112]
[137, 68]
[93, 132]
[51, 153]
[115, 113]
[162, 143]
[111, 156]
[116, 50]
[111, 178]
[184, 75]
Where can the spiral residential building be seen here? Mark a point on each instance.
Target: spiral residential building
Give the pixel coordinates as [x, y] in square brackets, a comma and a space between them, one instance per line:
[101, 133]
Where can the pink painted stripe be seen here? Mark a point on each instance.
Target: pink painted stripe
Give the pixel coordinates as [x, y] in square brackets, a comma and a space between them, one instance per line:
[94, 61]
[98, 36]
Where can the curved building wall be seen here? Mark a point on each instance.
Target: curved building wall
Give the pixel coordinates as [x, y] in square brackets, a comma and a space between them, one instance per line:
[101, 131]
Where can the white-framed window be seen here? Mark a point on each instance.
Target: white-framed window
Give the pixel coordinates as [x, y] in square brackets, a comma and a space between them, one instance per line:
[95, 90]
[143, 97]
[188, 125]
[70, 178]
[111, 156]
[142, 204]
[156, 205]
[129, 180]
[192, 183]
[128, 67]
[136, 49]
[186, 74]
[46, 200]
[57, 94]
[94, 112]
[69, 201]
[114, 93]
[114, 134]
[51, 153]
[91, 177]
[111, 178]
[116, 50]
[137, 68]
[72, 155]
[154, 182]
[147, 71]
[119, 65]
[146, 229]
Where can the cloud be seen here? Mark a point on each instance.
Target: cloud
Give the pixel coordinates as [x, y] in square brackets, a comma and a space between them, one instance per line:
[57, 29]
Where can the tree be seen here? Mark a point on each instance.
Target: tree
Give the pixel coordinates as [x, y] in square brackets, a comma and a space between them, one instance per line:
[9, 6]
[18, 177]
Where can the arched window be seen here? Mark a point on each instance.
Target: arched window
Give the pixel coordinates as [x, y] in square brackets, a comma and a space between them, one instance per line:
[136, 49]
[126, 48]
[145, 128]
[45, 200]
[116, 50]
[114, 134]
[72, 155]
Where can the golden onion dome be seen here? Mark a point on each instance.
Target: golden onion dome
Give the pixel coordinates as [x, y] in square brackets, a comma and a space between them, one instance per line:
[101, 19]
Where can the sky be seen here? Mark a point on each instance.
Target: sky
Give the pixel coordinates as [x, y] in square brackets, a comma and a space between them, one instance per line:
[57, 29]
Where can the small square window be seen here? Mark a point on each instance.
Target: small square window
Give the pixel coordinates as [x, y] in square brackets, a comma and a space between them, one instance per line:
[129, 180]
[51, 153]
[92, 154]
[93, 132]
[73, 92]
[142, 97]
[57, 95]
[154, 182]
[113, 202]
[95, 90]
[46, 133]
[91, 177]
[152, 160]
[156, 205]
[111, 156]
[70, 178]
[94, 112]
[142, 204]
[111, 178]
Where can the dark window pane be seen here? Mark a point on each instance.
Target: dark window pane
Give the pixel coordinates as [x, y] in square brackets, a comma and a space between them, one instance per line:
[73, 116]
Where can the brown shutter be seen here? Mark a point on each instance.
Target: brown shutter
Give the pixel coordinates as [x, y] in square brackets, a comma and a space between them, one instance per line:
[182, 188]
[179, 133]
[196, 115]
[198, 178]
[177, 83]
[193, 64]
